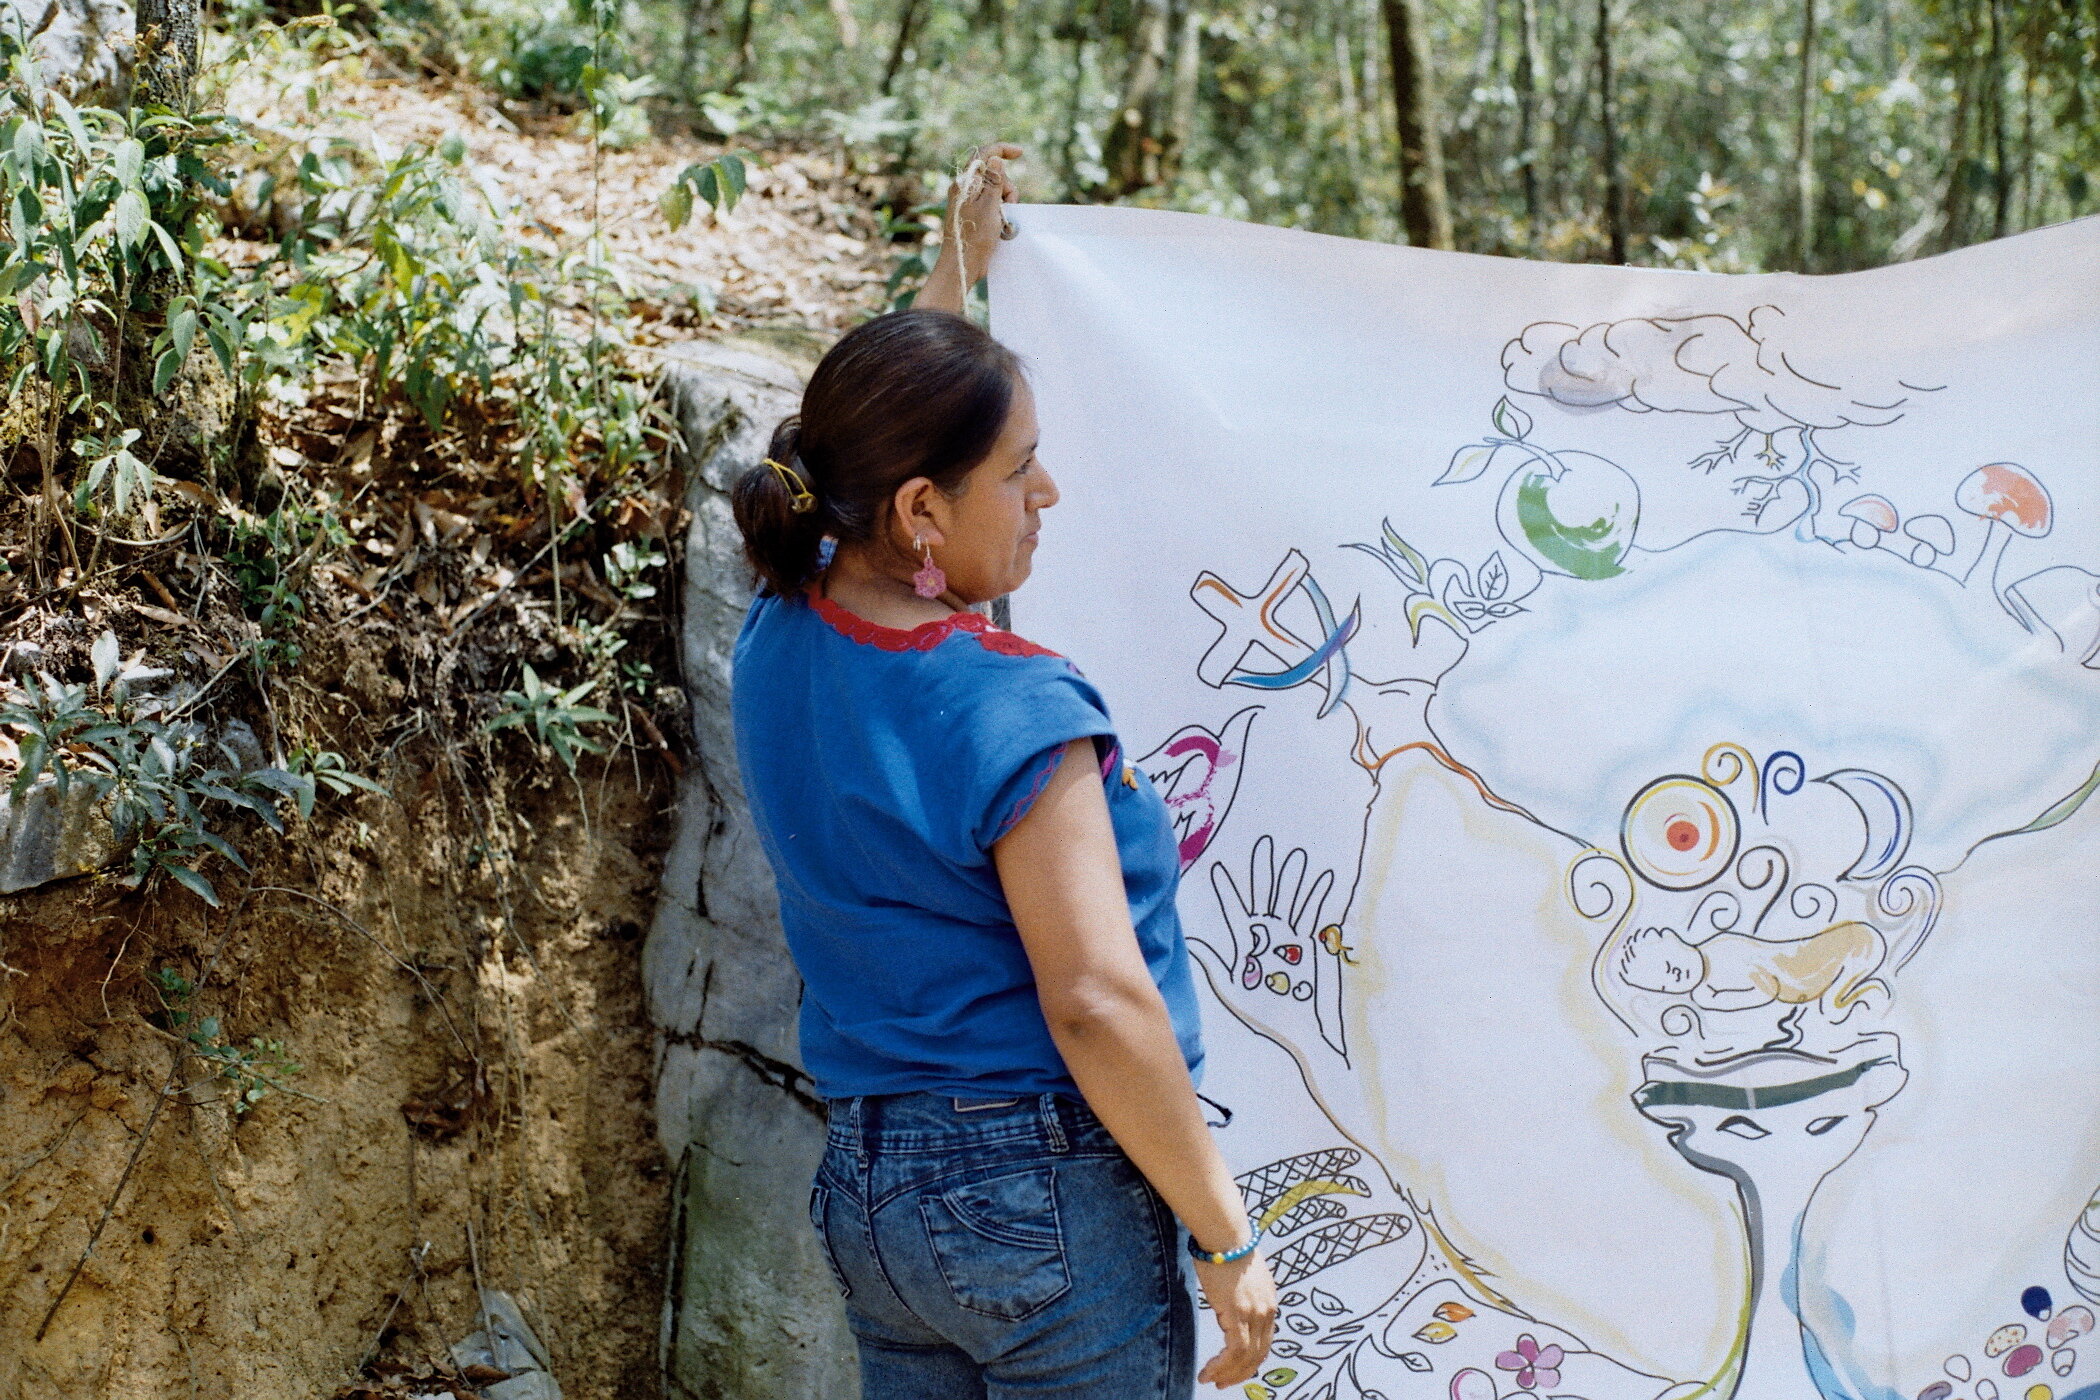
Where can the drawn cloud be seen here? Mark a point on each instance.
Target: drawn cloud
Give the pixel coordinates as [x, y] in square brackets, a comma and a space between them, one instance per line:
[1692, 364]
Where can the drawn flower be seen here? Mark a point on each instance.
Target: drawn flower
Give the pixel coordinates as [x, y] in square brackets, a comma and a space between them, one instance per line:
[1536, 1366]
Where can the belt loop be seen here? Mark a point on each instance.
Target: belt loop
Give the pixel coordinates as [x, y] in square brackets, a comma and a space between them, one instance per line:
[1053, 1124]
[857, 1130]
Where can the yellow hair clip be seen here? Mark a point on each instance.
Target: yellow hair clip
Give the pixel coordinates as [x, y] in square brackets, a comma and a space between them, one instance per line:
[800, 500]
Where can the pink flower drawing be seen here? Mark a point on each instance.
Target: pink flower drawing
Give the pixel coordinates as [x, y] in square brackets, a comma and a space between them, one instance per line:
[1536, 1366]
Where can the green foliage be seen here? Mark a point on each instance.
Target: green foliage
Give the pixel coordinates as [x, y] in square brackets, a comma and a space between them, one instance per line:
[1933, 122]
[103, 232]
[268, 557]
[628, 563]
[254, 1070]
[555, 717]
[719, 183]
[166, 791]
[326, 769]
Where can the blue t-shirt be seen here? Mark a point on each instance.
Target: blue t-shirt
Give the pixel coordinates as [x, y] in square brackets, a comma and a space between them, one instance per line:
[881, 764]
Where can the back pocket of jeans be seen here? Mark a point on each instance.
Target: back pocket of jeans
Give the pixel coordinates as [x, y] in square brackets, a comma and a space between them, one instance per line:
[819, 1211]
[998, 1243]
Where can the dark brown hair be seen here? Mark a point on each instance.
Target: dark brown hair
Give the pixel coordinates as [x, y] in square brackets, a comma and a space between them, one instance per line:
[914, 393]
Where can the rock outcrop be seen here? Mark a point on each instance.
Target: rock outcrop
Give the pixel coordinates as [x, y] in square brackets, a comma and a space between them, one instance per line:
[751, 1311]
[83, 47]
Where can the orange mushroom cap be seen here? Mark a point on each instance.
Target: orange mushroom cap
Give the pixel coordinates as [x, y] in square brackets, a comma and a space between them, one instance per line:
[2006, 491]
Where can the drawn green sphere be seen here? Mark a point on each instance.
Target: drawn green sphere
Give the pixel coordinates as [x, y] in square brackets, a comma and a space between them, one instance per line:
[1579, 522]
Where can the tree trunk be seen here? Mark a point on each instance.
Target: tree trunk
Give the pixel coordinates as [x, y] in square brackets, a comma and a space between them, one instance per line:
[1181, 106]
[2001, 175]
[699, 20]
[1956, 198]
[1076, 102]
[1131, 152]
[1608, 119]
[742, 44]
[1425, 206]
[907, 25]
[167, 49]
[1352, 113]
[849, 27]
[1804, 143]
[1487, 57]
[1531, 66]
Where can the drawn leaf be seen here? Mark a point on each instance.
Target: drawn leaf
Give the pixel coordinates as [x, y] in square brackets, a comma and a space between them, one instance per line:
[1511, 421]
[1327, 1303]
[1469, 609]
[1504, 609]
[1493, 579]
[1415, 561]
[1468, 463]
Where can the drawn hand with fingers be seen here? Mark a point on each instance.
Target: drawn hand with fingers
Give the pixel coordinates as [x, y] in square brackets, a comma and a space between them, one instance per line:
[1285, 963]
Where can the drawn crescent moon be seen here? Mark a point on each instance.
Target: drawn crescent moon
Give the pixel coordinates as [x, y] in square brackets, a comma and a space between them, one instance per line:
[1886, 811]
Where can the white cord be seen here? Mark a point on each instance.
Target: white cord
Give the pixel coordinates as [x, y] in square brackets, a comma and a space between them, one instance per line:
[967, 186]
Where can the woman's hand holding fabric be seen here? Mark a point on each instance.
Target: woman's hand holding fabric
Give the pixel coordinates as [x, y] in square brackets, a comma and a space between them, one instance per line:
[970, 231]
[1242, 1297]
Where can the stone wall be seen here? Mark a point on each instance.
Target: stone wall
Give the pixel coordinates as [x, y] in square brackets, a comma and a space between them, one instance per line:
[751, 1311]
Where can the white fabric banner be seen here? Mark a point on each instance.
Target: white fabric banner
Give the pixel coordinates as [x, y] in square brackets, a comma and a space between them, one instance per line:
[1630, 734]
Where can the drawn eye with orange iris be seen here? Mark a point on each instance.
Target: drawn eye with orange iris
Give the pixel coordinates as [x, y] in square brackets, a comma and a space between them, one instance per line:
[1679, 832]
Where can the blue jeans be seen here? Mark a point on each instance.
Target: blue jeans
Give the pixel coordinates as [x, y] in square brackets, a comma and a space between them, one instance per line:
[1001, 1247]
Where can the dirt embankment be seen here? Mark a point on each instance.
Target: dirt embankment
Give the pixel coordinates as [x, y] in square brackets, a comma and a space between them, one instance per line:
[453, 966]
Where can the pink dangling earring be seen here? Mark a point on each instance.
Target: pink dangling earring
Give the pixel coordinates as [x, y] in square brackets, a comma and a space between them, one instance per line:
[929, 581]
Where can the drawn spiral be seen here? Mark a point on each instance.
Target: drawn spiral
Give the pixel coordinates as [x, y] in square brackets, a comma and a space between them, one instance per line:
[1909, 898]
[1680, 832]
[1597, 885]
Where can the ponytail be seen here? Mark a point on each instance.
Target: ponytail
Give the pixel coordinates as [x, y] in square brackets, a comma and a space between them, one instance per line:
[913, 393]
[783, 525]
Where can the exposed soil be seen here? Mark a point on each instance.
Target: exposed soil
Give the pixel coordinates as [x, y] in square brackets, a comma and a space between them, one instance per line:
[454, 966]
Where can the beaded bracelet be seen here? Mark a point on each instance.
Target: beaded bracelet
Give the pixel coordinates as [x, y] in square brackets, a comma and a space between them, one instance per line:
[1212, 1256]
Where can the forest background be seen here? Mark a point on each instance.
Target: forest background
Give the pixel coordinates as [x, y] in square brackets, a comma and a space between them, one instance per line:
[1732, 135]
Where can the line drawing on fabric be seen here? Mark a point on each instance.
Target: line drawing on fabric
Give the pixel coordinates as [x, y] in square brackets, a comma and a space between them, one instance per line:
[1718, 365]
[1751, 968]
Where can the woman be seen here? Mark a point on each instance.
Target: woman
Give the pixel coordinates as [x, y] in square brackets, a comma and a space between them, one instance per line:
[978, 890]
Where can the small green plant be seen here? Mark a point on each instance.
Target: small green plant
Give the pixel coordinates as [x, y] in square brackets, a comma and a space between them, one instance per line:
[254, 1070]
[718, 183]
[149, 766]
[555, 716]
[326, 769]
[268, 556]
[626, 565]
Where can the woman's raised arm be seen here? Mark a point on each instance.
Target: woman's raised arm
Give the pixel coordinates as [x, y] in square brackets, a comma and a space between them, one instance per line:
[970, 232]
[1064, 884]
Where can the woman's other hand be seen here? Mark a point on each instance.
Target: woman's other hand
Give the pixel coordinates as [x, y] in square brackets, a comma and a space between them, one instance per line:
[970, 232]
[1242, 1297]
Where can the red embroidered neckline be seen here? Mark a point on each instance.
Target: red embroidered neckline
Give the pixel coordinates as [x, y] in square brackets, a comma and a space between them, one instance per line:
[927, 635]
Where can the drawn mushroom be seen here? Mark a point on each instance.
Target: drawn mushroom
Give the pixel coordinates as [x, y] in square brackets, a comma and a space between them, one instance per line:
[1871, 517]
[1934, 536]
[2010, 501]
